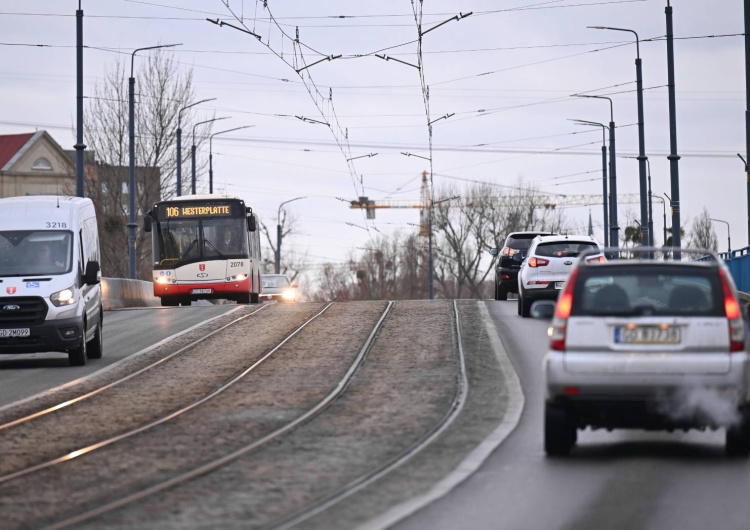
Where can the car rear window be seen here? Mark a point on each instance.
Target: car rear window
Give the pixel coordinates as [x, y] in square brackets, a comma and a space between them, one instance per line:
[648, 290]
[521, 241]
[564, 249]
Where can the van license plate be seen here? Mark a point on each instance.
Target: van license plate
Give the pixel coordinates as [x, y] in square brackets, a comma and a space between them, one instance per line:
[559, 285]
[201, 291]
[647, 335]
[17, 332]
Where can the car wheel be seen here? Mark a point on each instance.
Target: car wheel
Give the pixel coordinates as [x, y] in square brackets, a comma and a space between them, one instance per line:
[77, 356]
[501, 293]
[95, 346]
[559, 430]
[738, 438]
[524, 306]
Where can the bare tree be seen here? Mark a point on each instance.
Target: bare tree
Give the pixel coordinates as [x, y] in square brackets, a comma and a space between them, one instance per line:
[702, 233]
[481, 218]
[161, 91]
[291, 263]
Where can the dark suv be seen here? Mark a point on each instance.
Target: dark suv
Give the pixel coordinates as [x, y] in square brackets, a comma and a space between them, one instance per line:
[506, 269]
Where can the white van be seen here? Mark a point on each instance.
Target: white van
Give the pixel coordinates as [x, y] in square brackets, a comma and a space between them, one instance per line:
[50, 280]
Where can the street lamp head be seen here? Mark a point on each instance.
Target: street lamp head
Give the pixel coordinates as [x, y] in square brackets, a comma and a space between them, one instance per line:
[179, 113]
[207, 121]
[132, 56]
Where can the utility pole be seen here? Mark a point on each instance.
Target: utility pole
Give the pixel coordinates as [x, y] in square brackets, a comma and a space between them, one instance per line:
[747, 112]
[79, 146]
[673, 157]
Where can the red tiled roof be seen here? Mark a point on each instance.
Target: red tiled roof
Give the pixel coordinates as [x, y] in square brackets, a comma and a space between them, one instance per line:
[10, 144]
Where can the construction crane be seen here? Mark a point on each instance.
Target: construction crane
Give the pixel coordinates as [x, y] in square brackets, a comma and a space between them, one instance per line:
[549, 202]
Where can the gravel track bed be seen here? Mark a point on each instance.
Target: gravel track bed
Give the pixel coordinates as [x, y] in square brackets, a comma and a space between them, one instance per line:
[287, 384]
[153, 394]
[403, 390]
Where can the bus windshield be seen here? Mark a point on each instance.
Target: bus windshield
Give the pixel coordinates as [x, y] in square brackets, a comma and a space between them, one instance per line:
[35, 252]
[183, 241]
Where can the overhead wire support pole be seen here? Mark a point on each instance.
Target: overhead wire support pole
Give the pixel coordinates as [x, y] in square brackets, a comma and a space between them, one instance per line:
[457, 17]
[604, 175]
[673, 157]
[79, 146]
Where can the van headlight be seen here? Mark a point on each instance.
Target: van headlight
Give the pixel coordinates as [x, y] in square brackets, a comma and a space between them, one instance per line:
[64, 297]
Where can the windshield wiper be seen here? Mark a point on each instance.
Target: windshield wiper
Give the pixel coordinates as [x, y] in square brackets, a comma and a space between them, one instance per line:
[185, 254]
[215, 249]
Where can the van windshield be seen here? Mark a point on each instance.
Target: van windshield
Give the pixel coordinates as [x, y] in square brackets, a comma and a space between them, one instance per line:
[35, 253]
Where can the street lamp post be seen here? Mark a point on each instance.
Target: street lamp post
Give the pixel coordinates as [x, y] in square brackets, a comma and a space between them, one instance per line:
[277, 266]
[614, 229]
[641, 136]
[604, 175]
[79, 146]
[729, 237]
[211, 155]
[179, 142]
[747, 185]
[131, 174]
[192, 149]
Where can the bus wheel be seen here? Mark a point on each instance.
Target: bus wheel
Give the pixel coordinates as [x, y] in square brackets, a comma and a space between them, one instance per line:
[185, 303]
[254, 298]
[243, 298]
[169, 302]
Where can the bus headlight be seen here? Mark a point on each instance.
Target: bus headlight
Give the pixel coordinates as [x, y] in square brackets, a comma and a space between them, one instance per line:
[162, 279]
[64, 297]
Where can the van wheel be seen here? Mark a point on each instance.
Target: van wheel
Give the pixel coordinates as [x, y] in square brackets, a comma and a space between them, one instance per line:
[95, 347]
[559, 430]
[77, 356]
[738, 438]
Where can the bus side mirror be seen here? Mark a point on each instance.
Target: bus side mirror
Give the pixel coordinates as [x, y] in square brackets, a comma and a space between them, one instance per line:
[251, 224]
[147, 223]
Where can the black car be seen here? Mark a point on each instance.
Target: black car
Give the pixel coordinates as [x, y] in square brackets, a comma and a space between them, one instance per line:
[506, 268]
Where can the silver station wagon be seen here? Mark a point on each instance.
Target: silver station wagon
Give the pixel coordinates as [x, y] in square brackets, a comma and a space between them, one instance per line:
[652, 344]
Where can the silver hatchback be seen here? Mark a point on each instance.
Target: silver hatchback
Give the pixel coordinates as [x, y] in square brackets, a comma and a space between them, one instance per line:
[648, 344]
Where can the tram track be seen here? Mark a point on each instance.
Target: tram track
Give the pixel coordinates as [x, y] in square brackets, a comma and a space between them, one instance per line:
[34, 477]
[410, 388]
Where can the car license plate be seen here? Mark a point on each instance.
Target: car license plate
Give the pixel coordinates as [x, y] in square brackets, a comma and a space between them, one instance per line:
[201, 291]
[559, 285]
[17, 332]
[647, 335]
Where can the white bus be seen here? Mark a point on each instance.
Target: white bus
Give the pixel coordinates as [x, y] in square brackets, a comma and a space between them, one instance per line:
[204, 247]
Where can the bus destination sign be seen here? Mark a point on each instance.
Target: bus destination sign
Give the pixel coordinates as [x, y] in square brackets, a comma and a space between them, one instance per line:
[183, 211]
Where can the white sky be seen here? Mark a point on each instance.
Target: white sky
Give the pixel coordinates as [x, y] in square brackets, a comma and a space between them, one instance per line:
[539, 57]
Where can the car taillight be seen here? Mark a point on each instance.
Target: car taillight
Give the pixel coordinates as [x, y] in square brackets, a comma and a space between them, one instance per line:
[734, 315]
[597, 259]
[538, 262]
[556, 331]
[505, 251]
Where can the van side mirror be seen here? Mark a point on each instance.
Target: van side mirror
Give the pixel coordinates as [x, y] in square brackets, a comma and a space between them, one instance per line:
[251, 224]
[147, 223]
[494, 251]
[93, 274]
